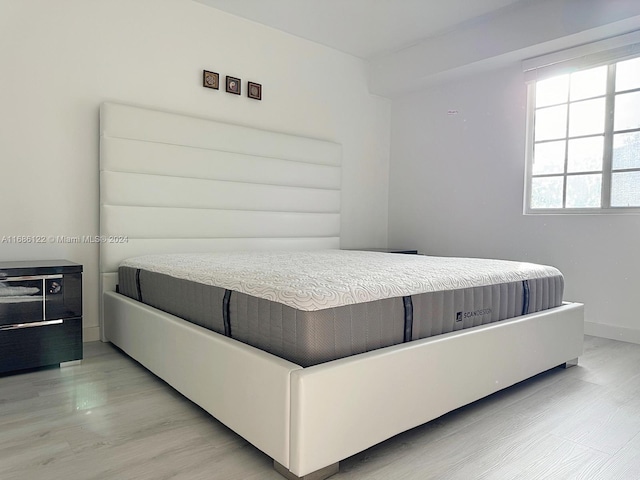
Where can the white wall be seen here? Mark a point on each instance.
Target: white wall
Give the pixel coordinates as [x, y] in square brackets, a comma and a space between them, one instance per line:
[61, 59]
[456, 188]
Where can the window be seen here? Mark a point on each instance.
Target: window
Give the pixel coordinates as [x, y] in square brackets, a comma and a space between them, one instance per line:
[584, 141]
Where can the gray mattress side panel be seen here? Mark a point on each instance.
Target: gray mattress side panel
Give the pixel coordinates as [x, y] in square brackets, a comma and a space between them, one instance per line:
[442, 312]
[309, 338]
[195, 302]
[545, 293]
[127, 282]
[542, 294]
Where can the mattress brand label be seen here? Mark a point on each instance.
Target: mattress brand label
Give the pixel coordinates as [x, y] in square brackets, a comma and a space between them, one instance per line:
[476, 313]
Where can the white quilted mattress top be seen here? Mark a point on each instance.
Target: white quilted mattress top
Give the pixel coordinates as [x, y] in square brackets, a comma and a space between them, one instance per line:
[315, 280]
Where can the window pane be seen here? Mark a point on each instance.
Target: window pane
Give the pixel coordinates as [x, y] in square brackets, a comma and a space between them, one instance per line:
[626, 150]
[588, 83]
[583, 191]
[546, 192]
[625, 189]
[551, 123]
[585, 154]
[548, 157]
[627, 111]
[552, 91]
[586, 118]
[628, 74]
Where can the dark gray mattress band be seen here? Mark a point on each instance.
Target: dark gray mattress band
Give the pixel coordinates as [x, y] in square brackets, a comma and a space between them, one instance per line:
[525, 297]
[309, 338]
[138, 289]
[408, 318]
[226, 316]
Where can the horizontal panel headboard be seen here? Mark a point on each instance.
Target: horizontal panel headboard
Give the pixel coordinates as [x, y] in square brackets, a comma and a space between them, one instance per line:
[175, 183]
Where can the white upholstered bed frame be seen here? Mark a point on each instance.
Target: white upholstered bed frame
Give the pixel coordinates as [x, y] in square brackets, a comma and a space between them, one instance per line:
[174, 183]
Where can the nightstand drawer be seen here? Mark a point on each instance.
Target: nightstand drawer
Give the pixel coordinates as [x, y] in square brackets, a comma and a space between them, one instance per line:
[46, 344]
[34, 298]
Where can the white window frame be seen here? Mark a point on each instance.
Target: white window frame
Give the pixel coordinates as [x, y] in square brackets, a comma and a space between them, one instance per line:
[607, 52]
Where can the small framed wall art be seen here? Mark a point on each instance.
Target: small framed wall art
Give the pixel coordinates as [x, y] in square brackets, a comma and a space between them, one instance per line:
[233, 85]
[210, 79]
[254, 90]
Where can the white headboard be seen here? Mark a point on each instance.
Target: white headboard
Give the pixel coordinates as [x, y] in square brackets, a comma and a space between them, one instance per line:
[175, 183]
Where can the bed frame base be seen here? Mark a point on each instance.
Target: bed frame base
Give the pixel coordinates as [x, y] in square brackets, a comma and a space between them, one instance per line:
[321, 474]
[312, 417]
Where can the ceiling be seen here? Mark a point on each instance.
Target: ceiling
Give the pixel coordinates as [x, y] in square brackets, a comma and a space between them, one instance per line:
[364, 28]
[408, 45]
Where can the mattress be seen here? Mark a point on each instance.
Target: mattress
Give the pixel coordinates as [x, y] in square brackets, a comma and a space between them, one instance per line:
[313, 307]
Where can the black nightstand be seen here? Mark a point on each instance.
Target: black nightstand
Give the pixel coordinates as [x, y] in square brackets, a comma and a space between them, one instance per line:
[40, 313]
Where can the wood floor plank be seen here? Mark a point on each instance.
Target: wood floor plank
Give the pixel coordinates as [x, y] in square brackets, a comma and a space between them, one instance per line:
[624, 465]
[608, 423]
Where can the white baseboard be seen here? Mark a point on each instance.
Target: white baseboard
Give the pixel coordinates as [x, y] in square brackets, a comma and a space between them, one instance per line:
[613, 332]
[90, 334]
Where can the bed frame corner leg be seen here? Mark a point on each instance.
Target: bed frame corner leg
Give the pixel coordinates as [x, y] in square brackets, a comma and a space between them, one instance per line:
[321, 474]
[570, 363]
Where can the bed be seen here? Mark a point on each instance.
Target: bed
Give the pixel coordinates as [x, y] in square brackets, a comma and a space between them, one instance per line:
[312, 307]
[173, 183]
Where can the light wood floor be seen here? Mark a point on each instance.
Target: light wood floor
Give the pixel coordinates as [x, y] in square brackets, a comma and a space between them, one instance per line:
[108, 418]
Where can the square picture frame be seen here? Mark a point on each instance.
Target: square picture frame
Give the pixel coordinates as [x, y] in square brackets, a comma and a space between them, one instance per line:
[210, 79]
[233, 85]
[254, 90]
